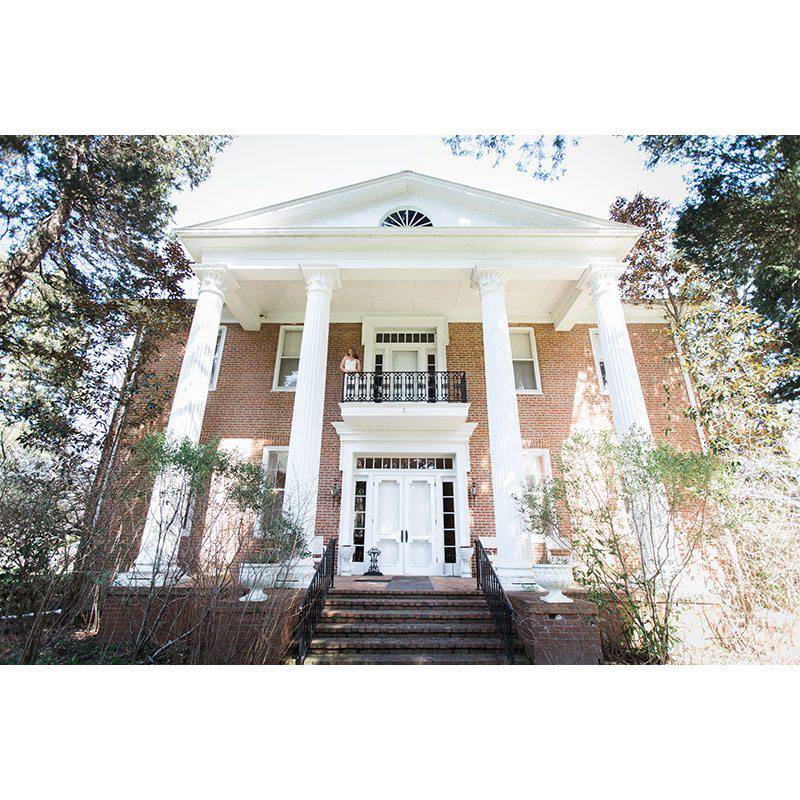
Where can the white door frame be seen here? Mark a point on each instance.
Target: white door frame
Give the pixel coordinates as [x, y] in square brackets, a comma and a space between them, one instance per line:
[453, 442]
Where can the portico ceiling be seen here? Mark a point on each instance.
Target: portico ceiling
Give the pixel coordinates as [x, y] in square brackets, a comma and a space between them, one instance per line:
[286, 300]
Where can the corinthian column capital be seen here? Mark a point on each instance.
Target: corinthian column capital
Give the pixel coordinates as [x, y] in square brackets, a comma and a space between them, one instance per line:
[490, 278]
[215, 279]
[603, 278]
[321, 277]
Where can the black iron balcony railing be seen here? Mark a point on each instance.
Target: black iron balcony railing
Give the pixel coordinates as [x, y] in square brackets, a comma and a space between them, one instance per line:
[404, 387]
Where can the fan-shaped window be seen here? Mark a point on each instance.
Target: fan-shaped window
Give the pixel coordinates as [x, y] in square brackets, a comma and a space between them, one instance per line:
[406, 218]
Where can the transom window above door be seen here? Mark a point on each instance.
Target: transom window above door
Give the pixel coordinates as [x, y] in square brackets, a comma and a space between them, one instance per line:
[404, 337]
[526, 363]
[402, 462]
[405, 351]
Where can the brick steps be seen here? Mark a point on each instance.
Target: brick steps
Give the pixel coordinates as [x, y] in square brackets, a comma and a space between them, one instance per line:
[406, 627]
[399, 657]
[403, 615]
[410, 602]
[326, 629]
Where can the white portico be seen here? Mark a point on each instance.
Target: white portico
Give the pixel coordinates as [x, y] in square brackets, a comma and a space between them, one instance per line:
[406, 256]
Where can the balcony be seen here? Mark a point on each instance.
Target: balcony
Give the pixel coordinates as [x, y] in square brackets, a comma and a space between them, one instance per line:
[404, 387]
[404, 400]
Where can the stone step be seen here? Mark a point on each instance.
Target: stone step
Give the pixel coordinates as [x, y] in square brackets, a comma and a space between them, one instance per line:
[397, 628]
[403, 614]
[359, 601]
[324, 644]
[408, 658]
[404, 593]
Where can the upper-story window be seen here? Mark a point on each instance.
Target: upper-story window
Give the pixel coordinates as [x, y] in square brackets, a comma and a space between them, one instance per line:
[526, 363]
[287, 362]
[217, 357]
[406, 218]
[599, 361]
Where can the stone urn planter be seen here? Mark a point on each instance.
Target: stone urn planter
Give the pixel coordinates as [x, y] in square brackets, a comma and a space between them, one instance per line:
[554, 578]
[346, 555]
[465, 557]
[257, 577]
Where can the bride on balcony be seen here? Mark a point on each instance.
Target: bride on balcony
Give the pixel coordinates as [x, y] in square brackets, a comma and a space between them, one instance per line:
[350, 362]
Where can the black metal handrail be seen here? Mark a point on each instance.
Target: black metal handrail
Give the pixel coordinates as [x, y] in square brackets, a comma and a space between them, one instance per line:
[404, 387]
[500, 608]
[314, 601]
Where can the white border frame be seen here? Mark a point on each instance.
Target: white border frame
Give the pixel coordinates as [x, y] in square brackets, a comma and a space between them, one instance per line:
[279, 355]
[594, 338]
[532, 334]
[222, 333]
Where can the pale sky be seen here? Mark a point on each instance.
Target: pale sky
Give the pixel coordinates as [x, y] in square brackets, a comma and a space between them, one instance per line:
[256, 171]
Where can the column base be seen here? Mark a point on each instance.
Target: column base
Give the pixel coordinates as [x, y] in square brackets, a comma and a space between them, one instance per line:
[146, 575]
[517, 579]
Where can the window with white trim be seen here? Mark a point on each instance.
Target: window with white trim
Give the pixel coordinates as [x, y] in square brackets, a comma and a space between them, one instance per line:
[223, 329]
[599, 362]
[273, 464]
[287, 361]
[536, 466]
[526, 363]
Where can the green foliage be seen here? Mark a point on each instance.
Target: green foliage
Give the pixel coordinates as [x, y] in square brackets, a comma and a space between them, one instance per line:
[634, 515]
[246, 489]
[39, 516]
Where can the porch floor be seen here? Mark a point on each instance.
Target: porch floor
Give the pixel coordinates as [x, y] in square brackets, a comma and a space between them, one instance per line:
[403, 583]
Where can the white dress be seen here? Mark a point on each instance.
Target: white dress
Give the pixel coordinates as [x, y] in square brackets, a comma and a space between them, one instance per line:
[350, 364]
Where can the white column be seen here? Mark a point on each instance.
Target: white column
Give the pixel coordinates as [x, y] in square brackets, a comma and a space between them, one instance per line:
[629, 411]
[624, 387]
[305, 441]
[156, 561]
[514, 556]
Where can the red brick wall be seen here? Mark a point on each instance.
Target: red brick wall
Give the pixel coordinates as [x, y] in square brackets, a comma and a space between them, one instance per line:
[243, 406]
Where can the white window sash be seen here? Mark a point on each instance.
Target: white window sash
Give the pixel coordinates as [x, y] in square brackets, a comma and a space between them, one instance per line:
[599, 360]
[534, 359]
[279, 356]
[223, 330]
[257, 533]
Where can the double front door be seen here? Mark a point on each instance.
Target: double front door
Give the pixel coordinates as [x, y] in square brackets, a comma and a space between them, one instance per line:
[404, 524]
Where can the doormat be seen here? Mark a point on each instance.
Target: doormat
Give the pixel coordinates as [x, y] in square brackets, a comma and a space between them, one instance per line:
[409, 582]
[373, 578]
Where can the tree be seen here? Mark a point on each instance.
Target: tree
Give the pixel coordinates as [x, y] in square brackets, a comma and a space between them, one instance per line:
[741, 222]
[735, 359]
[91, 210]
[543, 156]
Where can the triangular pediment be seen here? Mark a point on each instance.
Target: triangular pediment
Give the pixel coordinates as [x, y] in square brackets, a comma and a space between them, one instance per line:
[447, 204]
